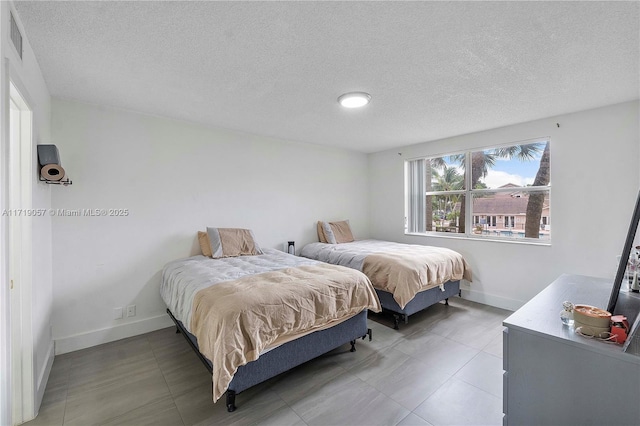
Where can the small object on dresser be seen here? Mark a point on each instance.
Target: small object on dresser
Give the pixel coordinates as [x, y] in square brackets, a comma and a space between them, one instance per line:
[592, 321]
[634, 286]
[291, 248]
[566, 314]
[619, 328]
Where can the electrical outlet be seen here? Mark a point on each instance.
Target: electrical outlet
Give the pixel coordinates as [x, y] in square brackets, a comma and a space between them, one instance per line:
[117, 313]
[131, 310]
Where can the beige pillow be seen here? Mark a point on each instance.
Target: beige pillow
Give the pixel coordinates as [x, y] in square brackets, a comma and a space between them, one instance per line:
[205, 246]
[338, 232]
[321, 236]
[231, 242]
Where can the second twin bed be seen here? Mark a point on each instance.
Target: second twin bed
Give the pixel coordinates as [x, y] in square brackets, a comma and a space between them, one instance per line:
[407, 277]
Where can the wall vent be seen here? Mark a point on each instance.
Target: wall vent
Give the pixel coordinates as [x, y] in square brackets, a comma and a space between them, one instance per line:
[16, 37]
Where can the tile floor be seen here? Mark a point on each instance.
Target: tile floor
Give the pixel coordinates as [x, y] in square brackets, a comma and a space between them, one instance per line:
[443, 368]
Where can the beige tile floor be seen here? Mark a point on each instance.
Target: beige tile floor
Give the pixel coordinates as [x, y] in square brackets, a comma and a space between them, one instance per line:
[443, 368]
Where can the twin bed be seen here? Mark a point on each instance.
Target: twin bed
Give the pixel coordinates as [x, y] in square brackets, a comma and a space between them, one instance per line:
[407, 278]
[257, 313]
[251, 314]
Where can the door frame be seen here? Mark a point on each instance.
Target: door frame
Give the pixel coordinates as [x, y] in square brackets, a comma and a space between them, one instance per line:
[18, 401]
[5, 304]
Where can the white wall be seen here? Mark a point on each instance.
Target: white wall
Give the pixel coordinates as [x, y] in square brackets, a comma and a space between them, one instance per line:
[595, 181]
[175, 178]
[29, 80]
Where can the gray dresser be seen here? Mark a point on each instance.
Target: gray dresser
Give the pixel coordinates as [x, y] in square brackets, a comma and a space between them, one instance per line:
[553, 376]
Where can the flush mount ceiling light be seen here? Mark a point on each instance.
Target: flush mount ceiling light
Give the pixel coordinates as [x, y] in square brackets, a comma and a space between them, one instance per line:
[354, 99]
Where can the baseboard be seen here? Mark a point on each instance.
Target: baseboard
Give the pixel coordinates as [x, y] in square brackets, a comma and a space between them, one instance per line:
[44, 378]
[491, 299]
[111, 334]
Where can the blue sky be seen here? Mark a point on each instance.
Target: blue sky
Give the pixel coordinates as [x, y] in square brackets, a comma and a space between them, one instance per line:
[523, 168]
[512, 171]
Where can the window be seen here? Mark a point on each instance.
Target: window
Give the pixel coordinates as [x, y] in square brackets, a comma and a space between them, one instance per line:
[499, 192]
[509, 221]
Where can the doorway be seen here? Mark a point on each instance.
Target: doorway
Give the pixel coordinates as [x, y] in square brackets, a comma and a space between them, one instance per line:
[19, 203]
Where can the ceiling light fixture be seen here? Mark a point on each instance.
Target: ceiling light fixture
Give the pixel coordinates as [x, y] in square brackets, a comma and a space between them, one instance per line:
[354, 99]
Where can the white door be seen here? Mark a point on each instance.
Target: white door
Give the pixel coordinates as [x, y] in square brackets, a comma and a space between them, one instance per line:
[19, 203]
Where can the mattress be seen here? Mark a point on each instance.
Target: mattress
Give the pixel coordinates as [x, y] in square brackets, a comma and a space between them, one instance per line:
[400, 269]
[182, 279]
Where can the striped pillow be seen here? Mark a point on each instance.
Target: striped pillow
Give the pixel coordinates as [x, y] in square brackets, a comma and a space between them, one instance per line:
[337, 232]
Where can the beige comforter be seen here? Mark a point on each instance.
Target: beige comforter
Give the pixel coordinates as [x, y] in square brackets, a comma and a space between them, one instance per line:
[415, 269]
[236, 320]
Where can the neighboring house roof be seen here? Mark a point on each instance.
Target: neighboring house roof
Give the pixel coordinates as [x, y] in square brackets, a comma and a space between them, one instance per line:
[500, 205]
[504, 203]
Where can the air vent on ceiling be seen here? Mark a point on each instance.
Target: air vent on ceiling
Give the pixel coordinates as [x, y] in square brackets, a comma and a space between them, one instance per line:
[16, 37]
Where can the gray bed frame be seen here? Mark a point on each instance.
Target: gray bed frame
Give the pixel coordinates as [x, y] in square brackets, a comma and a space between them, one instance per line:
[286, 356]
[421, 301]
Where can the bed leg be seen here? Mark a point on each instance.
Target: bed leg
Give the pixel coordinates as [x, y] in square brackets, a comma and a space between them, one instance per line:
[405, 317]
[369, 333]
[396, 322]
[231, 401]
[353, 346]
[177, 330]
[446, 301]
[460, 293]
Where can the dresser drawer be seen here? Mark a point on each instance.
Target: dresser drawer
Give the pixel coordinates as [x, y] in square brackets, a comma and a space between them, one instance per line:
[505, 392]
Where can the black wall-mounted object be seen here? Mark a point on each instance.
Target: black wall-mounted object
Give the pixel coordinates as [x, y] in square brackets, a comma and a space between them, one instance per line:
[51, 170]
[48, 154]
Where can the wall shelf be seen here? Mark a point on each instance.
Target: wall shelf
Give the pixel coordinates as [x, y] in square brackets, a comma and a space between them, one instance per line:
[65, 182]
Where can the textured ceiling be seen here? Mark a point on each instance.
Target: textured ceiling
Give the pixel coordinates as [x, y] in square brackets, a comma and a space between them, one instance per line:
[433, 69]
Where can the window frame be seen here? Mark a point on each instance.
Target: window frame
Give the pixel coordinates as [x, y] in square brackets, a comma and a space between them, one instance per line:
[468, 194]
